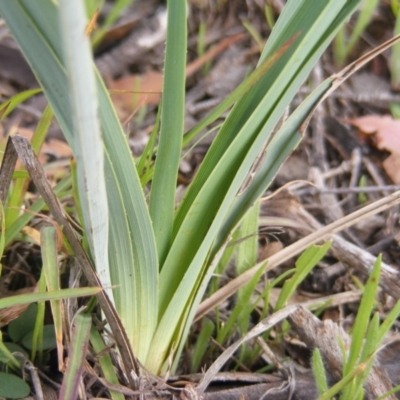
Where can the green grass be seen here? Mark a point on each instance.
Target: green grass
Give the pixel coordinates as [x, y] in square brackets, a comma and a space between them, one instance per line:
[367, 335]
[345, 43]
[153, 259]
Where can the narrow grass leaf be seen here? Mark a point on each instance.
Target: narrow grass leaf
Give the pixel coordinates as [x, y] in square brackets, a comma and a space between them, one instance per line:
[105, 361]
[388, 322]
[261, 327]
[238, 93]
[9, 106]
[395, 58]
[363, 316]
[17, 195]
[116, 10]
[223, 263]
[162, 198]
[144, 164]
[51, 272]
[319, 371]
[2, 236]
[388, 393]
[306, 262]
[34, 339]
[76, 357]
[343, 46]
[247, 249]
[62, 188]
[371, 343]
[367, 356]
[202, 345]
[333, 390]
[198, 290]
[8, 356]
[242, 309]
[58, 294]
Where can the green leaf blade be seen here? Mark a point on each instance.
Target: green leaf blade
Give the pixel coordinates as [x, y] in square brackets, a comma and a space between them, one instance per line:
[162, 200]
[87, 143]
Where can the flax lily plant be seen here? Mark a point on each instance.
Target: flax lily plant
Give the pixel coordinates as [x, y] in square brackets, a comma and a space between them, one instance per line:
[153, 259]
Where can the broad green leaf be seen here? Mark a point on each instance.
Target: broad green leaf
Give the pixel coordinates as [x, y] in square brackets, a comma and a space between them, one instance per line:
[48, 338]
[13, 387]
[25, 323]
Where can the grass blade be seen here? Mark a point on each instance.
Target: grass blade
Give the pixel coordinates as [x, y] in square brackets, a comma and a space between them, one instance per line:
[363, 316]
[36, 342]
[88, 144]
[162, 200]
[16, 197]
[105, 362]
[304, 265]
[57, 294]
[60, 190]
[319, 372]
[51, 272]
[8, 106]
[76, 357]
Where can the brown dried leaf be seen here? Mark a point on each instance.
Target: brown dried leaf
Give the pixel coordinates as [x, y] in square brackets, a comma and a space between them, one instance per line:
[137, 90]
[386, 136]
[10, 313]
